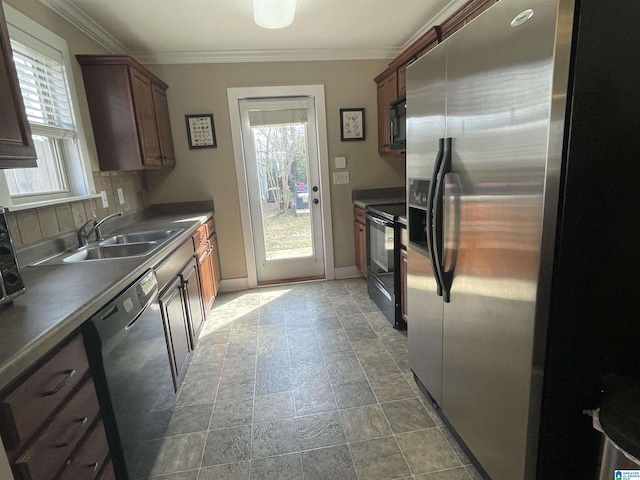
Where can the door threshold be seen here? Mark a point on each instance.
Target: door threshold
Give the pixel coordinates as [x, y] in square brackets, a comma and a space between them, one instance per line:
[291, 280]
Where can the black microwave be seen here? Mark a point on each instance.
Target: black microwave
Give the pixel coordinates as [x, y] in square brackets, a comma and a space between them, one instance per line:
[398, 116]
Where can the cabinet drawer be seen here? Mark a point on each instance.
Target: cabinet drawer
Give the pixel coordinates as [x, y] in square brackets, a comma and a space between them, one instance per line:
[27, 407]
[211, 226]
[360, 215]
[107, 472]
[167, 271]
[200, 236]
[90, 458]
[50, 450]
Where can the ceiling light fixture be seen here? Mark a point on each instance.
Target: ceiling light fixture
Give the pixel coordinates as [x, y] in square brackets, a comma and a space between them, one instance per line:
[274, 13]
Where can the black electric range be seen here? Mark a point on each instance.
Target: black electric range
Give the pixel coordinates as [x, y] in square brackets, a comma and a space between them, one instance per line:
[383, 259]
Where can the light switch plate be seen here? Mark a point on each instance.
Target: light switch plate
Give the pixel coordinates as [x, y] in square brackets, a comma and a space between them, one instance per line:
[340, 178]
[120, 196]
[341, 162]
[105, 200]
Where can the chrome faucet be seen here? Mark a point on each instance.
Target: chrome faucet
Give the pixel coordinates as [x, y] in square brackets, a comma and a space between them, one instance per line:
[83, 236]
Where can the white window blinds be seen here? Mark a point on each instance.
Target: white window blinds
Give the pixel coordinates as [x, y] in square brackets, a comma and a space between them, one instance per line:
[272, 118]
[44, 90]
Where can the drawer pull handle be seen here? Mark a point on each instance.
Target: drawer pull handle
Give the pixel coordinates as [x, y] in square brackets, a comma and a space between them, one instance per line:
[83, 422]
[94, 469]
[69, 374]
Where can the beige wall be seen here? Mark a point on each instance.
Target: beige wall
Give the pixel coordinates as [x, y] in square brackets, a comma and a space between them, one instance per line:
[210, 173]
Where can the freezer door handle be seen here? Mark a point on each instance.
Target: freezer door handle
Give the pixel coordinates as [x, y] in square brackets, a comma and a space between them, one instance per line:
[429, 215]
[437, 231]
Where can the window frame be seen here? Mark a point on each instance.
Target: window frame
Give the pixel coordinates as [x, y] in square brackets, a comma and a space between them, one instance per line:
[76, 154]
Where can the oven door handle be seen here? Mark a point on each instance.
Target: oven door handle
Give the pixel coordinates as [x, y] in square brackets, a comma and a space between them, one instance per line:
[381, 222]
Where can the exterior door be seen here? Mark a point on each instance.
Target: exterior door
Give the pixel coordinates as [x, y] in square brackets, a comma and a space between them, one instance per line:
[280, 143]
[499, 84]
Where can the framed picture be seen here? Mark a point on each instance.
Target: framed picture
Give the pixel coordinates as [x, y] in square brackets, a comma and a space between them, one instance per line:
[351, 124]
[201, 131]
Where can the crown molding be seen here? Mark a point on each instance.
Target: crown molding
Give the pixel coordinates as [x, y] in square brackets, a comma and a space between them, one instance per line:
[440, 17]
[93, 30]
[85, 24]
[293, 55]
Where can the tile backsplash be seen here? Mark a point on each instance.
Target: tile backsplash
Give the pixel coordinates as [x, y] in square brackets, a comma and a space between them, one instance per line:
[34, 225]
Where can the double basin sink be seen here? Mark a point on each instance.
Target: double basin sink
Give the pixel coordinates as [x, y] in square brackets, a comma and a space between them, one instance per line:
[125, 245]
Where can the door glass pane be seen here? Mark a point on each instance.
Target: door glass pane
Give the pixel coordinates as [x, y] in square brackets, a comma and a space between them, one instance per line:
[283, 178]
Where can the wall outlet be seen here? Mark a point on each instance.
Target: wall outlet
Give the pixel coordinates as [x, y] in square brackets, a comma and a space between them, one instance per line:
[340, 178]
[120, 196]
[341, 162]
[105, 200]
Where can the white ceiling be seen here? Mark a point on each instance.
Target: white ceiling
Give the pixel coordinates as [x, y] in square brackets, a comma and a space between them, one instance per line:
[187, 31]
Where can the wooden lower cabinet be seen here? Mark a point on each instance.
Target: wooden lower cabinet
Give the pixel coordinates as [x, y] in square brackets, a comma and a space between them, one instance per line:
[90, 458]
[193, 299]
[215, 259]
[176, 325]
[207, 280]
[64, 438]
[360, 239]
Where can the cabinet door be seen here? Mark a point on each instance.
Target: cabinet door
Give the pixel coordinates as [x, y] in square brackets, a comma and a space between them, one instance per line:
[402, 81]
[207, 281]
[145, 119]
[16, 145]
[387, 93]
[176, 329]
[215, 258]
[193, 300]
[360, 236]
[403, 284]
[161, 108]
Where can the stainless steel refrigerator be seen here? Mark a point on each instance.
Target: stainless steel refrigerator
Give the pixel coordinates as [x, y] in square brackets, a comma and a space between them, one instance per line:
[523, 166]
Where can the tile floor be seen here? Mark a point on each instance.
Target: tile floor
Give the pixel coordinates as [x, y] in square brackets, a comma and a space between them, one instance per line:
[305, 381]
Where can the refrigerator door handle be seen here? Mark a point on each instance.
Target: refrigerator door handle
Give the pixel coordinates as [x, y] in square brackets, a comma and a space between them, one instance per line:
[437, 230]
[429, 216]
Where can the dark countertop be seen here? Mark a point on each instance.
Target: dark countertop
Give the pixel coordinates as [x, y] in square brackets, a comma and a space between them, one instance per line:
[378, 196]
[59, 298]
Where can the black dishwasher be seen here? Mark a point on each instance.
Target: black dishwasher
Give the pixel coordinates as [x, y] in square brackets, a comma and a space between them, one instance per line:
[129, 359]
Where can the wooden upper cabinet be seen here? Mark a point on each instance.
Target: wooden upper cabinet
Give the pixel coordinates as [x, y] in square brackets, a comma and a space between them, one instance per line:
[387, 93]
[464, 15]
[402, 80]
[392, 83]
[145, 118]
[161, 109]
[129, 113]
[16, 145]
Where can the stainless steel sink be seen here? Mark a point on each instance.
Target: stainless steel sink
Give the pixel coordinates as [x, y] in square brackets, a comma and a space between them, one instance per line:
[136, 237]
[126, 245]
[103, 252]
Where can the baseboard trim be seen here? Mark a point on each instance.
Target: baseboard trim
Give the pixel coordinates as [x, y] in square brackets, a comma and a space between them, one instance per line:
[234, 284]
[347, 272]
